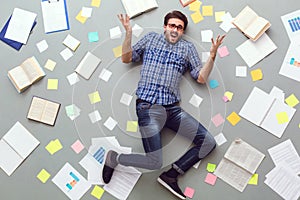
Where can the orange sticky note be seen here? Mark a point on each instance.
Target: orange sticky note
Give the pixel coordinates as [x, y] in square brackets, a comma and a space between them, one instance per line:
[256, 74]
[233, 118]
[117, 51]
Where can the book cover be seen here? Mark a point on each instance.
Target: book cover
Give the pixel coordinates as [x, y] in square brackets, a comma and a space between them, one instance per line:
[134, 8]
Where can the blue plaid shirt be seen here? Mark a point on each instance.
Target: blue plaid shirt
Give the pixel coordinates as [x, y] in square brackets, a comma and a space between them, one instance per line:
[163, 66]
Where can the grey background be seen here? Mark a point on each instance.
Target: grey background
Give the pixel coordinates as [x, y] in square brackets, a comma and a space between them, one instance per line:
[13, 106]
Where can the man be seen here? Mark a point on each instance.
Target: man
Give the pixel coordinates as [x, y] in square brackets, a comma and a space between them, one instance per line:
[165, 57]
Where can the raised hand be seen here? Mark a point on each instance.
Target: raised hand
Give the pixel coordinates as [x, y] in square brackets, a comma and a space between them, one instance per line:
[215, 45]
[124, 19]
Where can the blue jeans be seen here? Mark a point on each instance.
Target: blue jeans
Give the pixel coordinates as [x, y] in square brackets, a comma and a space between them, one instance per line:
[152, 119]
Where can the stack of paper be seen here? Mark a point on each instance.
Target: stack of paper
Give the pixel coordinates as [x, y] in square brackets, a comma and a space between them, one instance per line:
[15, 147]
[124, 178]
[284, 179]
[240, 162]
[267, 111]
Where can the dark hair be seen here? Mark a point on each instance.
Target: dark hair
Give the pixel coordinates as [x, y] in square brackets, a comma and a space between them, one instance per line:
[176, 14]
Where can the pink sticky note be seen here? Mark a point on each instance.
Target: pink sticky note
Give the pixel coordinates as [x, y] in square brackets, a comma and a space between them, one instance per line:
[189, 192]
[225, 99]
[210, 179]
[223, 51]
[77, 146]
[218, 120]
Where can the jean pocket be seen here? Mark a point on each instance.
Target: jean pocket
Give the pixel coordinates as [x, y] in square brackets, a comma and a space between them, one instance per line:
[143, 106]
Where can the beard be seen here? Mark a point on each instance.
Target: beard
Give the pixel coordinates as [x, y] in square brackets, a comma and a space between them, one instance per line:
[172, 36]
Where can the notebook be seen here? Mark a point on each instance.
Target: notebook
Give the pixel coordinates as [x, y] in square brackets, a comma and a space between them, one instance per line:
[55, 15]
[14, 44]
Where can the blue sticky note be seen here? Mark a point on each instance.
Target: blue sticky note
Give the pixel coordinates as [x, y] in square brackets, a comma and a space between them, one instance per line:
[93, 36]
[213, 84]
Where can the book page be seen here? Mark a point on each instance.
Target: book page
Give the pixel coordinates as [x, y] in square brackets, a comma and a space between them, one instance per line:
[148, 5]
[50, 112]
[232, 174]
[9, 159]
[271, 123]
[32, 69]
[132, 7]
[253, 52]
[256, 106]
[36, 109]
[19, 78]
[21, 140]
[257, 28]
[244, 18]
[244, 155]
[88, 65]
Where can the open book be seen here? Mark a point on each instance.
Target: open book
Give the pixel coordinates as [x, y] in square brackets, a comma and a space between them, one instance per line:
[15, 146]
[252, 25]
[43, 110]
[26, 74]
[134, 8]
[267, 112]
[184, 3]
[240, 162]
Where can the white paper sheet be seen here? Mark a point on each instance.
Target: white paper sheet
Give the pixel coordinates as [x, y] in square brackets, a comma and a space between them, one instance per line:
[289, 21]
[241, 71]
[105, 75]
[71, 182]
[42, 46]
[206, 35]
[95, 116]
[66, 54]
[126, 99]
[195, 100]
[115, 32]
[220, 139]
[122, 182]
[288, 67]
[285, 152]
[137, 30]
[71, 42]
[284, 183]
[253, 52]
[73, 78]
[20, 25]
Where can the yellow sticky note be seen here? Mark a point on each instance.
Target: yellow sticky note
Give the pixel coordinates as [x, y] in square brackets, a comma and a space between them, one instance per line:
[54, 146]
[50, 65]
[292, 100]
[97, 192]
[210, 167]
[282, 117]
[218, 16]
[253, 180]
[229, 95]
[256, 74]
[117, 51]
[132, 126]
[196, 17]
[207, 11]
[195, 6]
[94, 97]
[80, 18]
[52, 84]
[43, 176]
[96, 3]
[233, 118]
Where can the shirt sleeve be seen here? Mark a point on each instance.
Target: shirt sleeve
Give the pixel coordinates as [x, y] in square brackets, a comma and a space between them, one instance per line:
[195, 63]
[139, 48]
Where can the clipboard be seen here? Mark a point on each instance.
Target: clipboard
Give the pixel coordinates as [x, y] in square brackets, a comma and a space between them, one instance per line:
[55, 15]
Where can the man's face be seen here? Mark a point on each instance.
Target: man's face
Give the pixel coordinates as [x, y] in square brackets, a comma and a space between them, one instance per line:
[174, 30]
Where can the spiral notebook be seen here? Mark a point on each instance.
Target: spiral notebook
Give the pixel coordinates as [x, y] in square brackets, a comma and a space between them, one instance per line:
[55, 15]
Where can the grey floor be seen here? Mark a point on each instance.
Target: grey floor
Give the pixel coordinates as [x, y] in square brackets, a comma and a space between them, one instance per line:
[23, 184]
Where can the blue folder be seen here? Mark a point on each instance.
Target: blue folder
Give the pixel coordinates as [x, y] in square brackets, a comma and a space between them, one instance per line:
[14, 44]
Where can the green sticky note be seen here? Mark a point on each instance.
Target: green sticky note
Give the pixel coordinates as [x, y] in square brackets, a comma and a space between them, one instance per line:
[97, 192]
[292, 100]
[94, 97]
[253, 180]
[70, 110]
[93, 36]
[210, 167]
[282, 117]
[132, 126]
[43, 176]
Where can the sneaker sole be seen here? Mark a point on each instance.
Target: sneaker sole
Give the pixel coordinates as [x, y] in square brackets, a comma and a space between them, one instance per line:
[169, 188]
